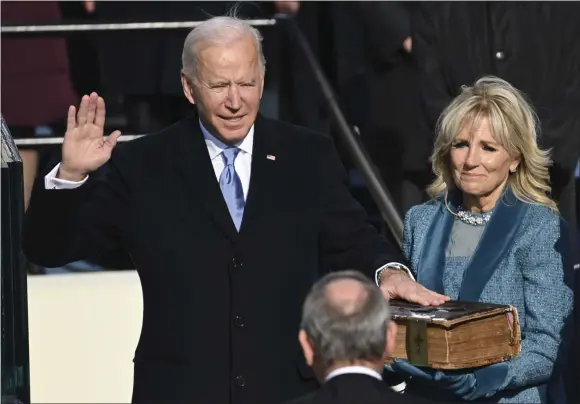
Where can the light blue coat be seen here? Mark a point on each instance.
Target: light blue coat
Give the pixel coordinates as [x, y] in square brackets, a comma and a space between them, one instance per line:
[520, 260]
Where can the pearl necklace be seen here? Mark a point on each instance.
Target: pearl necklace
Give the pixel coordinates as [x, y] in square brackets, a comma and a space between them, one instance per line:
[473, 219]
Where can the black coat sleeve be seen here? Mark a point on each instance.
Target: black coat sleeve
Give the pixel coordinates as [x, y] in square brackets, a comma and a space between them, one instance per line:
[386, 25]
[347, 240]
[435, 91]
[63, 226]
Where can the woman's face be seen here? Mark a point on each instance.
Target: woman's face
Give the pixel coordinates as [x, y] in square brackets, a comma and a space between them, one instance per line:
[479, 164]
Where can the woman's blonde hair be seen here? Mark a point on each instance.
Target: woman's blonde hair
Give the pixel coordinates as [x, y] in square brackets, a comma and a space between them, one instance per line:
[514, 125]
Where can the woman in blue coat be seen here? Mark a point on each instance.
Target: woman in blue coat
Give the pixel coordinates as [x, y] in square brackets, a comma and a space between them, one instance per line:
[492, 234]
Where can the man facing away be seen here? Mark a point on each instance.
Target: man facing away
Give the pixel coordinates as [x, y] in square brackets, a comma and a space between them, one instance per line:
[228, 218]
[346, 335]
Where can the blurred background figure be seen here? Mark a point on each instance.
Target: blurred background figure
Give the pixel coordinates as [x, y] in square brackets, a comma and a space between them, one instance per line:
[365, 50]
[392, 128]
[36, 85]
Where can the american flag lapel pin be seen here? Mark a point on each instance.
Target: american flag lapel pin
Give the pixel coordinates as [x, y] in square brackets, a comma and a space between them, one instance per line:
[271, 157]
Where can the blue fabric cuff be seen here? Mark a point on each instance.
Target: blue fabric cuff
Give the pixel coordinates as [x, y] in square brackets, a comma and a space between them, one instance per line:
[488, 381]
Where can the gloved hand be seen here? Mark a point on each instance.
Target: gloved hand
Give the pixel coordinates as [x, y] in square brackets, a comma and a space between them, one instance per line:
[483, 382]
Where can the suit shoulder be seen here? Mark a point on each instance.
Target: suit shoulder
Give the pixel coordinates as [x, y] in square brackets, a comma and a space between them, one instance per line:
[543, 213]
[423, 211]
[151, 141]
[300, 134]
[147, 148]
[541, 219]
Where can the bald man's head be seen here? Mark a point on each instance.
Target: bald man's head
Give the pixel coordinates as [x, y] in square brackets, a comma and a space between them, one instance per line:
[346, 296]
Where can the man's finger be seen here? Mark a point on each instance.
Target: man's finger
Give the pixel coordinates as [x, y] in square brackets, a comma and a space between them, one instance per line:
[71, 121]
[92, 109]
[100, 113]
[434, 294]
[438, 295]
[111, 141]
[83, 110]
[425, 299]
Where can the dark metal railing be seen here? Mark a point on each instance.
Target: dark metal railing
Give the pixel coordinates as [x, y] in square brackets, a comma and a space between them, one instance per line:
[130, 26]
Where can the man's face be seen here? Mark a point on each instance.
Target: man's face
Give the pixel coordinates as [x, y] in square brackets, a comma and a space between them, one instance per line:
[227, 88]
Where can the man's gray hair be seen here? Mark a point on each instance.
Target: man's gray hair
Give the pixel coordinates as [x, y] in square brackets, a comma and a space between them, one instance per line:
[218, 31]
[346, 332]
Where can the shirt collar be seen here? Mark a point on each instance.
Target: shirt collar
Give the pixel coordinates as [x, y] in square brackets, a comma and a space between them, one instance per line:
[354, 369]
[216, 146]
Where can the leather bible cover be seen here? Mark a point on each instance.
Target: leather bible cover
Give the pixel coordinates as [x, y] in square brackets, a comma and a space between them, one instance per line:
[455, 335]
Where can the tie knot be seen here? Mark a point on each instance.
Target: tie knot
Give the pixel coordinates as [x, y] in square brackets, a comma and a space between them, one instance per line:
[230, 155]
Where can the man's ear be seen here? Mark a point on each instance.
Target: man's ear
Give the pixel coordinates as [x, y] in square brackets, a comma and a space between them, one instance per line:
[187, 88]
[262, 88]
[306, 347]
[391, 339]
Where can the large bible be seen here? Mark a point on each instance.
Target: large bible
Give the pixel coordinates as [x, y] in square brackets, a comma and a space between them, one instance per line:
[455, 335]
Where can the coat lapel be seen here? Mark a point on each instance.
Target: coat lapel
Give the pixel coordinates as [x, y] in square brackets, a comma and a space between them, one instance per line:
[495, 243]
[198, 175]
[431, 263]
[491, 249]
[263, 180]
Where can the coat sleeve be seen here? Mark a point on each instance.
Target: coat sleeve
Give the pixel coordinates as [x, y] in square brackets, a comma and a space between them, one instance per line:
[435, 91]
[548, 300]
[408, 237]
[386, 25]
[347, 240]
[66, 225]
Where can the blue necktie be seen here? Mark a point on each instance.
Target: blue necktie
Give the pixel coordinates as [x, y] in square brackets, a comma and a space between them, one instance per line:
[231, 186]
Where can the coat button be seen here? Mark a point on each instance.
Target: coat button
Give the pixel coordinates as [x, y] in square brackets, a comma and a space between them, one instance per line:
[239, 321]
[237, 263]
[240, 381]
[499, 55]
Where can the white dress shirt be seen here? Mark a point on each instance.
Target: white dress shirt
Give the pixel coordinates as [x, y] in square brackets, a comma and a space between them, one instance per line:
[243, 165]
[362, 370]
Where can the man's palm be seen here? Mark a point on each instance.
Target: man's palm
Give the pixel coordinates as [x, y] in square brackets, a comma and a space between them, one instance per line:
[85, 149]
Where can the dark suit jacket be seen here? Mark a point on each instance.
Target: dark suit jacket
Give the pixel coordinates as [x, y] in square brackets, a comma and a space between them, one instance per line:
[221, 308]
[356, 388]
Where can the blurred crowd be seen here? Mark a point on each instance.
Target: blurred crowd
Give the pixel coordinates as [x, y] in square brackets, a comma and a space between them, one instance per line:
[394, 66]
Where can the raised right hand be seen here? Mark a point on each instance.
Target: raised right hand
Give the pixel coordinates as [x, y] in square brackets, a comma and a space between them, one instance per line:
[84, 148]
